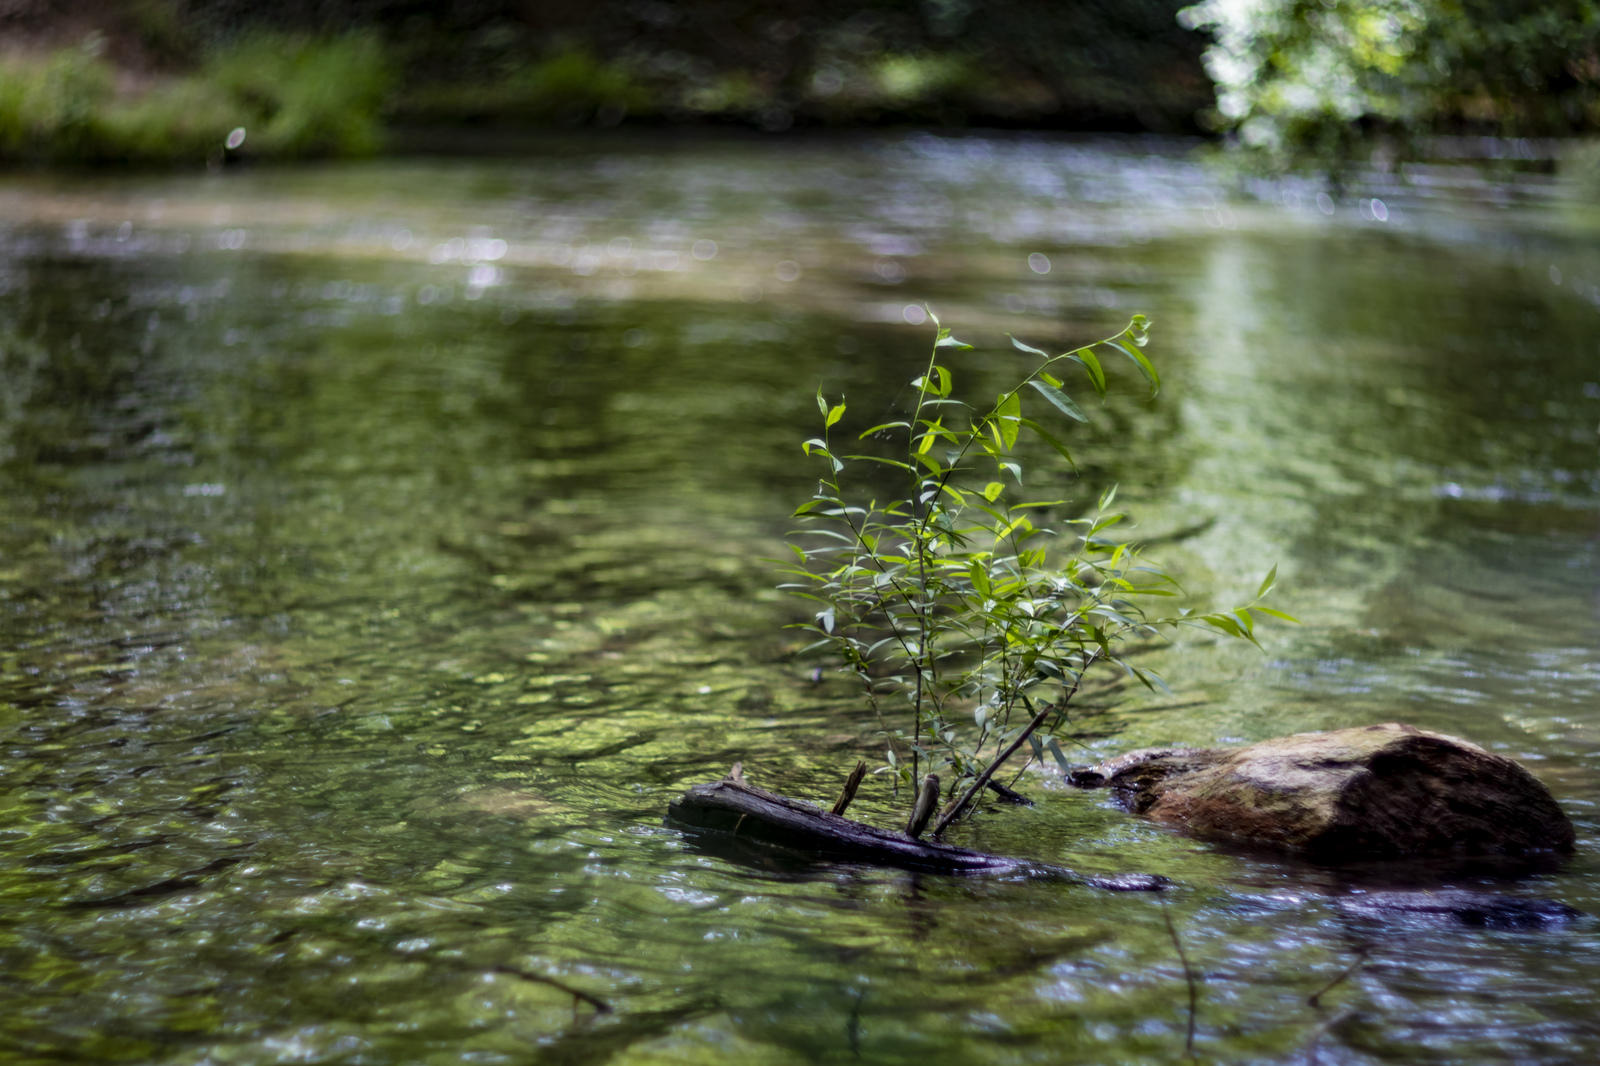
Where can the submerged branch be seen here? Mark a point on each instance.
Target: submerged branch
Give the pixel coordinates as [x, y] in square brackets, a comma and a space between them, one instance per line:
[1188, 977]
[1022, 738]
[729, 814]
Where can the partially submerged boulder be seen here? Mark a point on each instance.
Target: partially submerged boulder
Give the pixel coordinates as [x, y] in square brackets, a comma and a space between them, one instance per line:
[1377, 792]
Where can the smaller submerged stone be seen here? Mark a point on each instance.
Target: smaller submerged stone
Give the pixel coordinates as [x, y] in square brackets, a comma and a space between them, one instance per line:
[1459, 906]
[1376, 792]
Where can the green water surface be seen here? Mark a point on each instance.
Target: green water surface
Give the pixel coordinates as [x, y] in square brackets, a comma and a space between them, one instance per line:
[381, 549]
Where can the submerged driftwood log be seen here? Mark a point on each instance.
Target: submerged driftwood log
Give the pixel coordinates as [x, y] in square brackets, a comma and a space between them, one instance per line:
[1379, 792]
[734, 809]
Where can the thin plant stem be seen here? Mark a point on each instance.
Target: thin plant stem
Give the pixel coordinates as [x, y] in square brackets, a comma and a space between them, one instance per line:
[988, 772]
[919, 545]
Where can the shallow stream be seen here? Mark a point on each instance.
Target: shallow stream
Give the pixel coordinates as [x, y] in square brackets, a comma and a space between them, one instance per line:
[382, 546]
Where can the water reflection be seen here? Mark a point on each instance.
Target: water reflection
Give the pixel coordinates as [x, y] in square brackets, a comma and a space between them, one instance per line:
[363, 608]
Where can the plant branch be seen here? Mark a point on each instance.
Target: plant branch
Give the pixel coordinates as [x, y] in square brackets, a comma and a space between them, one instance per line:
[1027, 731]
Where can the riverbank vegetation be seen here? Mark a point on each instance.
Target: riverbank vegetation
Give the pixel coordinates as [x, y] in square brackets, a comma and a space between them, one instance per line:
[287, 97]
[1328, 80]
[154, 80]
[1289, 81]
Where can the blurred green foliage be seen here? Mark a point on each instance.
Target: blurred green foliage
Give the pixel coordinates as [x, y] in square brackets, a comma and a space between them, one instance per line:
[569, 88]
[51, 105]
[306, 96]
[1299, 78]
[293, 97]
[168, 79]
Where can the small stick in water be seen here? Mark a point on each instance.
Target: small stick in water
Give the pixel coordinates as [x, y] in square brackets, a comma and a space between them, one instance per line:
[1188, 976]
[851, 783]
[1362, 954]
[922, 810]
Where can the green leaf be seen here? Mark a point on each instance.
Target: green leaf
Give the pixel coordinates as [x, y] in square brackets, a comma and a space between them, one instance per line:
[834, 416]
[1277, 614]
[1030, 349]
[1008, 415]
[1144, 365]
[897, 464]
[947, 341]
[880, 429]
[1106, 522]
[1055, 753]
[992, 490]
[1061, 400]
[1020, 522]
[1045, 435]
[1224, 623]
[1268, 581]
[1145, 678]
[1085, 358]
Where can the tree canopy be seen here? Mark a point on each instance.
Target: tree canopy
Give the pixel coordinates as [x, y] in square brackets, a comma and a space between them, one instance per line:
[1299, 75]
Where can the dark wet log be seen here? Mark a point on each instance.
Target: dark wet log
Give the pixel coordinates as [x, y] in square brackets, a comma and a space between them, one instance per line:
[732, 809]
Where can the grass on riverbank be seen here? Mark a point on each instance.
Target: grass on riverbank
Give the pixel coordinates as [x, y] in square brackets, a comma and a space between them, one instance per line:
[298, 96]
[292, 96]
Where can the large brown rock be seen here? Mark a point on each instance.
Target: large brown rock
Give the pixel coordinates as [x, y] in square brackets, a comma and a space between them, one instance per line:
[1378, 792]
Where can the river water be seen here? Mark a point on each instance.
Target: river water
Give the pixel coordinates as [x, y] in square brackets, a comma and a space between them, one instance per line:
[382, 546]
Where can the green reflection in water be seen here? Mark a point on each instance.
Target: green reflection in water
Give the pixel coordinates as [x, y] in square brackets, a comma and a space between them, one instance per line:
[355, 642]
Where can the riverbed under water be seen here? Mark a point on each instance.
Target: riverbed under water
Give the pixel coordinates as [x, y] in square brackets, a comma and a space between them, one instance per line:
[382, 547]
